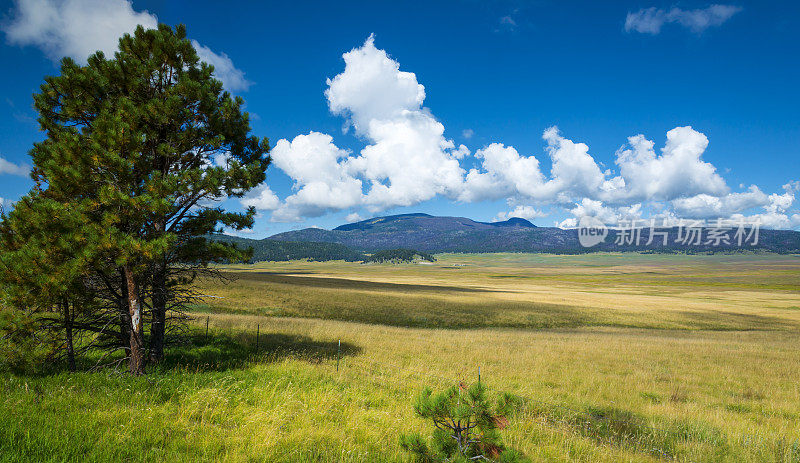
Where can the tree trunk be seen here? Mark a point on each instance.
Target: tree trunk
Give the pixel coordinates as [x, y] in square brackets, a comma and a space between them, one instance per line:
[68, 330]
[136, 357]
[158, 327]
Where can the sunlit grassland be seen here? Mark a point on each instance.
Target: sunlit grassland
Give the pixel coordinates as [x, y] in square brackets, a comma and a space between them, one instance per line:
[616, 358]
[739, 292]
[599, 394]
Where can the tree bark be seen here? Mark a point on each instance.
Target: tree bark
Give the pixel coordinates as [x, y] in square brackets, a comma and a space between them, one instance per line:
[136, 356]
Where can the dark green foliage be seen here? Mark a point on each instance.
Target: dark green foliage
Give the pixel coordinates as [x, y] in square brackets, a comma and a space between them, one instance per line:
[399, 256]
[47, 249]
[18, 332]
[467, 426]
[146, 137]
[277, 251]
[139, 149]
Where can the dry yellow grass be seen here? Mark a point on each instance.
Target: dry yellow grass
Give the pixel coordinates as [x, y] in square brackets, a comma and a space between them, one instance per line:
[616, 358]
[736, 392]
[652, 291]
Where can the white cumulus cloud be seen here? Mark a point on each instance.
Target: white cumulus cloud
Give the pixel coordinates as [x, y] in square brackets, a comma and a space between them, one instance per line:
[574, 171]
[78, 28]
[774, 220]
[232, 78]
[320, 172]
[262, 198]
[504, 172]
[407, 159]
[678, 171]
[75, 28]
[608, 215]
[522, 212]
[705, 206]
[353, 217]
[373, 88]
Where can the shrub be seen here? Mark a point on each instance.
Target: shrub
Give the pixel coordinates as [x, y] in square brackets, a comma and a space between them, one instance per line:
[467, 426]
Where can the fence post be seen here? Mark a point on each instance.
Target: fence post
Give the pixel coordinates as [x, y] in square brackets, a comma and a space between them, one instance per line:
[479, 374]
[338, 354]
[257, 329]
[207, 317]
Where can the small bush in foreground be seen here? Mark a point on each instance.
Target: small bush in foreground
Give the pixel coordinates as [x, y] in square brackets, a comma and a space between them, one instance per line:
[467, 426]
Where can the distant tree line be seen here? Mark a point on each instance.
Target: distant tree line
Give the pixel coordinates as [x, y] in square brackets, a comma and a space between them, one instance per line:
[399, 256]
[140, 149]
[277, 251]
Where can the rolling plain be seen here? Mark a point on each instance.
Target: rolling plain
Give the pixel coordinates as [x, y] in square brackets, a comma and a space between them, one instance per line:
[615, 357]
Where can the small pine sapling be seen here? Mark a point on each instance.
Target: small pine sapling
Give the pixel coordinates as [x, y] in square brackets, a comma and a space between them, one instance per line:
[467, 426]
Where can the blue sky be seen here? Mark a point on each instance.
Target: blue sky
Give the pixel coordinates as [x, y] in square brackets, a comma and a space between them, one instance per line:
[495, 77]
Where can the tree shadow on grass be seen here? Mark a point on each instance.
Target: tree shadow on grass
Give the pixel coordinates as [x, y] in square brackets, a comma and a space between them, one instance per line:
[217, 351]
[225, 351]
[622, 428]
[719, 320]
[347, 283]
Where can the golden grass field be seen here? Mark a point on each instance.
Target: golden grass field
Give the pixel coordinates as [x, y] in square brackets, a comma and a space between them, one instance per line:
[711, 341]
[617, 357]
[724, 292]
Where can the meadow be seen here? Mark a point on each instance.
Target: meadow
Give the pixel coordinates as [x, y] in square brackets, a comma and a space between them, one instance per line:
[615, 357]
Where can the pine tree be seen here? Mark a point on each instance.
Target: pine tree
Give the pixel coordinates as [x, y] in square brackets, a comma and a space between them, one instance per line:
[143, 144]
[467, 426]
[45, 254]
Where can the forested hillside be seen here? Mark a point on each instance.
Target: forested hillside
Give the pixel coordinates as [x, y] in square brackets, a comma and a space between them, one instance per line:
[458, 234]
[275, 250]
[399, 256]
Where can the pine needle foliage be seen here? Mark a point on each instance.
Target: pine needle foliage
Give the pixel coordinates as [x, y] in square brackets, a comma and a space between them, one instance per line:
[467, 426]
[140, 151]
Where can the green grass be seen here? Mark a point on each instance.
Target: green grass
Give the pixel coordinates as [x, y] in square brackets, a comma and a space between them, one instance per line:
[614, 358]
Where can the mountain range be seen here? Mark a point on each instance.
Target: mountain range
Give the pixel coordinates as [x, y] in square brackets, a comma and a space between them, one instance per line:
[436, 234]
